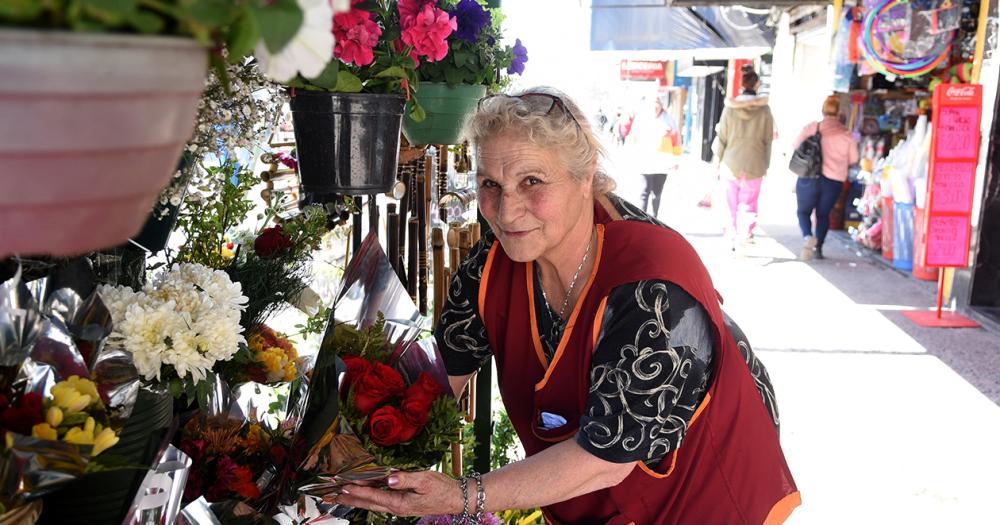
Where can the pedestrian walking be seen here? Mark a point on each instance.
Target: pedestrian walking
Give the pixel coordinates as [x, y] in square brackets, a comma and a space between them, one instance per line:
[820, 194]
[742, 150]
[653, 137]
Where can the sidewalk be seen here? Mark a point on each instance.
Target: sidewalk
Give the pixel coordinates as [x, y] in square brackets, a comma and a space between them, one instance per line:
[882, 421]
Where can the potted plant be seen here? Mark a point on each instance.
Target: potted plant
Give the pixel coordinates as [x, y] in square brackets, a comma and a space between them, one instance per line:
[97, 99]
[347, 119]
[450, 88]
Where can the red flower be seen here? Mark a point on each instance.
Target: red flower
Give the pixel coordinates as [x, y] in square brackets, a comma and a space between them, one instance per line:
[356, 368]
[194, 448]
[388, 427]
[25, 413]
[356, 35]
[416, 410]
[428, 34]
[424, 388]
[278, 455]
[243, 484]
[409, 9]
[271, 242]
[378, 385]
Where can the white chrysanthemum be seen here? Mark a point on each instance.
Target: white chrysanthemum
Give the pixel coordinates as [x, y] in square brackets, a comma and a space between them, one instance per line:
[187, 317]
[309, 51]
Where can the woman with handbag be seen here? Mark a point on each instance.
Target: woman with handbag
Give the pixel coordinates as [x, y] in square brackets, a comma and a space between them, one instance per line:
[820, 194]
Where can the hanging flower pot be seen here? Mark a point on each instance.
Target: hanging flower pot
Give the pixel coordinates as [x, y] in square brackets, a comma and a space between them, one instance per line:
[447, 108]
[347, 143]
[91, 127]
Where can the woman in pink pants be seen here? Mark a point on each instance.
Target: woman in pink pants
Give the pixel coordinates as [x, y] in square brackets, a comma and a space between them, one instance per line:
[743, 153]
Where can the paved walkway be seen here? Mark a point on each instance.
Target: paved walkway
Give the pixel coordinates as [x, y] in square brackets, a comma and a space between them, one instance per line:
[882, 421]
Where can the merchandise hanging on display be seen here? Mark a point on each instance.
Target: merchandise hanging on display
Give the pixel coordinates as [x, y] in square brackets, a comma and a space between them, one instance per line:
[885, 60]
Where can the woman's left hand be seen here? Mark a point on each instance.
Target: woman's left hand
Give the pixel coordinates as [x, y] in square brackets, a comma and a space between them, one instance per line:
[409, 494]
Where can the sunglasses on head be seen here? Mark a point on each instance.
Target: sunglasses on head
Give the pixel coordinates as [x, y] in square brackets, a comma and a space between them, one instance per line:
[542, 103]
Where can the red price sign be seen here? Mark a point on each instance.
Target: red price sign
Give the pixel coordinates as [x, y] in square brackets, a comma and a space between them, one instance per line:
[954, 156]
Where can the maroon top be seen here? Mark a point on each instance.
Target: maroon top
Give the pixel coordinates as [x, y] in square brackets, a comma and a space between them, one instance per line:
[730, 468]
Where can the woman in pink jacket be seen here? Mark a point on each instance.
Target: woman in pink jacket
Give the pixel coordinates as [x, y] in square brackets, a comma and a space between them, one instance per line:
[819, 195]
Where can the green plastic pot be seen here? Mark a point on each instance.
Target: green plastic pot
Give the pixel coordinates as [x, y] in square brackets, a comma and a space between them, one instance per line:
[447, 108]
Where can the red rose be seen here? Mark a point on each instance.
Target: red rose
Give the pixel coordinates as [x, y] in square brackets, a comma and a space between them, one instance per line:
[416, 410]
[356, 368]
[378, 385]
[425, 388]
[271, 242]
[388, 427]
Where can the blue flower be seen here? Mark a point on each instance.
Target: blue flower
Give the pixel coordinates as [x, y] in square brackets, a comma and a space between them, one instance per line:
[472, 18]
[520, 57]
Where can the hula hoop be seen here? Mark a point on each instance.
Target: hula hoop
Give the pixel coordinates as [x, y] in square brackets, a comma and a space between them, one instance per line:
[887, 62]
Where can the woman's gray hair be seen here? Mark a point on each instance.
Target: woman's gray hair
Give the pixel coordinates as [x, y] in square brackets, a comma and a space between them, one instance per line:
[555, 130]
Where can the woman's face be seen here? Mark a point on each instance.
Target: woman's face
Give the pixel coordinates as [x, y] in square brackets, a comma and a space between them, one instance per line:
[528, 196]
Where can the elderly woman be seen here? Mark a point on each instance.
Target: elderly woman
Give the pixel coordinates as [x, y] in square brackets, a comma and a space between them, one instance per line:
[610, 344]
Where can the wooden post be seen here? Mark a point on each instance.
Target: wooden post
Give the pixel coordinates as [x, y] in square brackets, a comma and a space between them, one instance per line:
[464, 243]
[392, 239]
[453, 254]
[411, 259]
[440, 284]
[420, 239]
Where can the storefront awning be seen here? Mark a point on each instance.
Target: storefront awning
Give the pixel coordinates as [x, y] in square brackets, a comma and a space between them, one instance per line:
[618, 25]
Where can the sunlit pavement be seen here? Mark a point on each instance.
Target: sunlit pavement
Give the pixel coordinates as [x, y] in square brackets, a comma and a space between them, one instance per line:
[882, 421]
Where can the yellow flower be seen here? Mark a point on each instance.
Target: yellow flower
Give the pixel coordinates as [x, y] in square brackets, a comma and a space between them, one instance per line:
[74, 394]
[291, 372]
[81, 436]
[44, 431]
[54, 416]
[255, 342]
[255, 439]
[105, 439]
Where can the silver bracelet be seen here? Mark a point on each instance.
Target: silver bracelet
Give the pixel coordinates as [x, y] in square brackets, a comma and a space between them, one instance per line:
[463, 483]
[480, 496]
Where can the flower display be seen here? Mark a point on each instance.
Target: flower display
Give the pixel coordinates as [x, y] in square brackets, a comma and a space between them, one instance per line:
[309, 51]
[181, 323]
[520, 57]
[428, 32]
[272, 242]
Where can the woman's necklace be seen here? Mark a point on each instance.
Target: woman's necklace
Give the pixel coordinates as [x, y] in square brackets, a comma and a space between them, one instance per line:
[572, 284]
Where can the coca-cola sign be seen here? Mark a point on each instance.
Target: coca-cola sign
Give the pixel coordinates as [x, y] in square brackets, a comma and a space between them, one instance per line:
[960, 91]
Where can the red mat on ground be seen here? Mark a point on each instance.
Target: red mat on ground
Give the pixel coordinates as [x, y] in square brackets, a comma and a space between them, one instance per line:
[947, 320]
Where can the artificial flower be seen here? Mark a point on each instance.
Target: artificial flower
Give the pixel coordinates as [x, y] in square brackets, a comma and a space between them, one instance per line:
[429, 31]
[357, 35]
[308, 52]
[520, 57]
[471, 18]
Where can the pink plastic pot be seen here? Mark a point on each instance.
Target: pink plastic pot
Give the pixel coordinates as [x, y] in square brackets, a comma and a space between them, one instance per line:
[91, 128]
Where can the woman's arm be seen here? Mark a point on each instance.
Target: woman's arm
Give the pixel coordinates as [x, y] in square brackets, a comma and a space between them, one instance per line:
[558, 473]
[458, 383]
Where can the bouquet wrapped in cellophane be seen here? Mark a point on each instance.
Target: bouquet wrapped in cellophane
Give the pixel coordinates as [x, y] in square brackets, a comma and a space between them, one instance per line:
[376, 400]
[65, 392]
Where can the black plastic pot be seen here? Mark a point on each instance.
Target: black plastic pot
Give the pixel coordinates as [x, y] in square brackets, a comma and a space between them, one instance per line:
[347, 143]
[105, 497]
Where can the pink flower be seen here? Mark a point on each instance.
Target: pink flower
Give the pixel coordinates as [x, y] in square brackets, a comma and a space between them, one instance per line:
[356, 34]
[409, 9]
[428, 34]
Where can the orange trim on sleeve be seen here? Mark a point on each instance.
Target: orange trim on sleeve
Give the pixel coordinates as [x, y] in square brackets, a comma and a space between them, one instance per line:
[657, 475]
[571, 323]
[536, 339]
[783, 508]
[598, 319]
[485, 280]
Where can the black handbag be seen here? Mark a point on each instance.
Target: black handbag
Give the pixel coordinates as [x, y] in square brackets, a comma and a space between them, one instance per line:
[807, 159]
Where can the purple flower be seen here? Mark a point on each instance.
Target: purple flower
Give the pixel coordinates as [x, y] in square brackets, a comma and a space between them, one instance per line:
[472, 18]
[520, 57]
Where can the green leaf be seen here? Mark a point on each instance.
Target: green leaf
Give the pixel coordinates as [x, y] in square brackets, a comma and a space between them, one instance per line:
[20, 10]
[394, 72]
[212, 14]
[243, 37]
[111, 12]
[452, 76]
[348, 82]
[417, 112]
[330, 76]
[461, 58]
[283, 20]
[146, 22]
